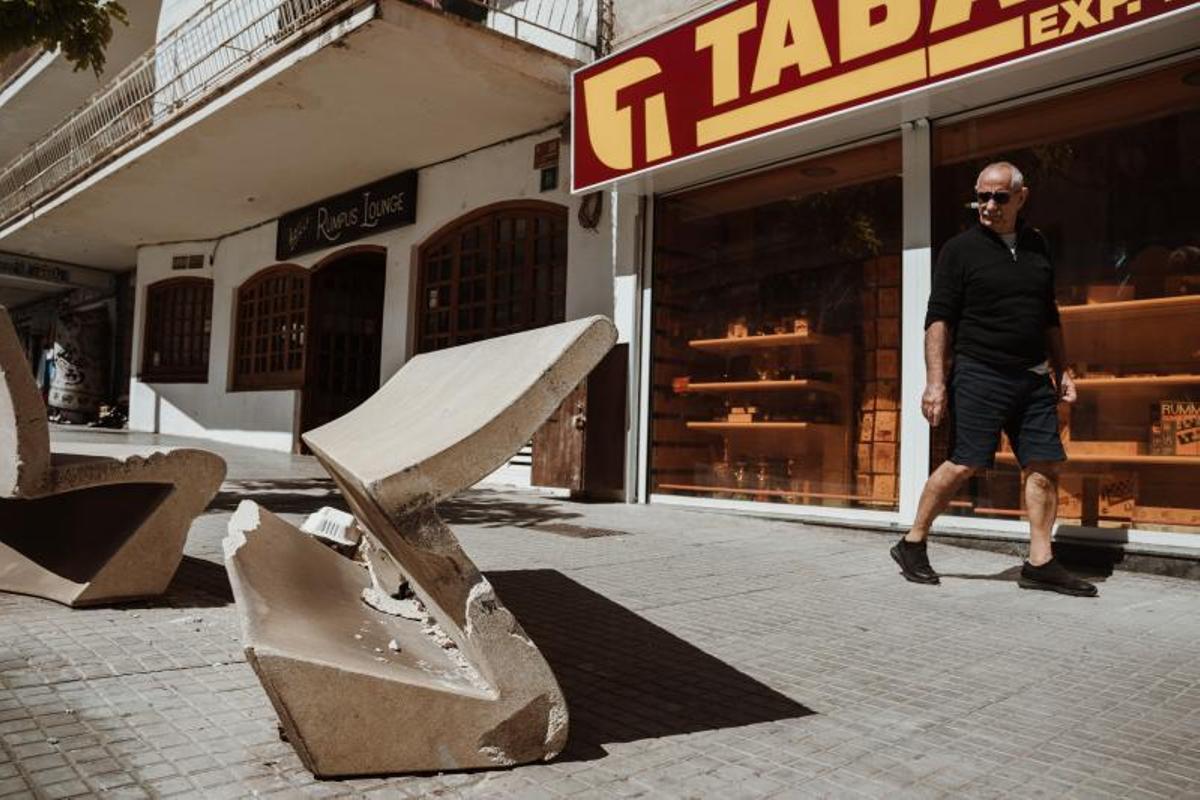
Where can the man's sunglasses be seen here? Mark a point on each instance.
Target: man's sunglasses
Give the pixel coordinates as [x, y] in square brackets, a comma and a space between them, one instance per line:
[1001, 198]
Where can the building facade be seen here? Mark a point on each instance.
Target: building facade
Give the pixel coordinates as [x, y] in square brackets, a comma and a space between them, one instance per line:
[789, 172]
[303, 195]
[754, 190]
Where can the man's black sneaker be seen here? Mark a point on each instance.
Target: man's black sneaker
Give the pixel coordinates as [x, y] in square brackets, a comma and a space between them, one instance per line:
[1053, 577]
[914, 562]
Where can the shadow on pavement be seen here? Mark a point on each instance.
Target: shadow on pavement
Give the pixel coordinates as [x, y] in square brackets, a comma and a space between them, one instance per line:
[1010, 574]
[198, 583]
[291, 496]
[494, 511]
[626, 679]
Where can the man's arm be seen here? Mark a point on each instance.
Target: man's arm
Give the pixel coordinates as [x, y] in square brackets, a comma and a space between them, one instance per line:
[1056, 352]
[937, 344]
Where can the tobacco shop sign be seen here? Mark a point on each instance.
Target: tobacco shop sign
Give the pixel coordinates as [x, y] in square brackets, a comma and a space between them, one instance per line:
[374, 208]
[753, 66]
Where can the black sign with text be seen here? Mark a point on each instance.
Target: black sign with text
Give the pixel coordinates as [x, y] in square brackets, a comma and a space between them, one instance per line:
[376, 207]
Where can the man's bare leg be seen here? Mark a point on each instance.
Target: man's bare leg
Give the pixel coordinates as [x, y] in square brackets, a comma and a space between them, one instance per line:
[1041, 504]
[939, 490]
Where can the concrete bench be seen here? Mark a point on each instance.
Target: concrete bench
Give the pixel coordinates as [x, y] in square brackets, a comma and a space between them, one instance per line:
[88, 524]
[434, 673]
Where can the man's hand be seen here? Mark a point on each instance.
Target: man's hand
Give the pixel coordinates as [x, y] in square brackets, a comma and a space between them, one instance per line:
[1066, 388]
[933, 403]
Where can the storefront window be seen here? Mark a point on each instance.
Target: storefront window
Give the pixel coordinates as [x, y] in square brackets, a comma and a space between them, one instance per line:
[1113, 175]
[776, 374]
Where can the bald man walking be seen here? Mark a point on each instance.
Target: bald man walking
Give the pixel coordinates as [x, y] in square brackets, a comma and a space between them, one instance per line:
[993, 298]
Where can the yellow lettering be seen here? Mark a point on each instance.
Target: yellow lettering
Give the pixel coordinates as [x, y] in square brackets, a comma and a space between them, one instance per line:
[793, 20]
[813, 98]
[1010, 3]
[721, 35]
[658, 131]
[610, 126]
[977, 46]
[947, 13]
[1078, 15]
[1043, 25]
[858, 36]
[1108, 9]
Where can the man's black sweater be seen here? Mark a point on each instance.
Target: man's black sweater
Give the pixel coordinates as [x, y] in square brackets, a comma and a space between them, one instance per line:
[999, 304]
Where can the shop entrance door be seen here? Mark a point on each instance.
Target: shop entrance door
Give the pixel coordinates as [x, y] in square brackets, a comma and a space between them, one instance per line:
[344, 337]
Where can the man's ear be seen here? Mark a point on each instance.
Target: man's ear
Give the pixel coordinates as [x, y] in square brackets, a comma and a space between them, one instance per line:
[1022, 196]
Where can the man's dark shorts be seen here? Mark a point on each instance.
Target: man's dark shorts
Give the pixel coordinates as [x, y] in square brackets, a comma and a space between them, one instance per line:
[987, 399]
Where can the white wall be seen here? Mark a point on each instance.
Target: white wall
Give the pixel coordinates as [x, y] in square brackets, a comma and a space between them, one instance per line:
[633, 19]
[445, 192]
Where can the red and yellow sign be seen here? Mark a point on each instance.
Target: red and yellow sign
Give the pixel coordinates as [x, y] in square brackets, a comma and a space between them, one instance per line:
[757, 66]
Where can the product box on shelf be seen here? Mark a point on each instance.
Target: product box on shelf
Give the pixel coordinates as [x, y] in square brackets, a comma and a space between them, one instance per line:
[886, 426]
[1070, 496]
[742, 414]
[1180, 421]
[1118, 495]
[1176, 430]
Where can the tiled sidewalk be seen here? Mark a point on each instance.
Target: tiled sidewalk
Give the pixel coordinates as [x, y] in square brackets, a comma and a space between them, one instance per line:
[702, 655]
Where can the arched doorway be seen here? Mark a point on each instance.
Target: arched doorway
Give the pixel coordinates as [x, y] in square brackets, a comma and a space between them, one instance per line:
[345, 334]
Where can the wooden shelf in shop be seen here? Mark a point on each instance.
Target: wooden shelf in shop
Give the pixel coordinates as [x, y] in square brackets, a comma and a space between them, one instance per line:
[1135, 381]
[685, 487]
[755, 427]
[761, 386]
[1134, 460]
[1136, 308]
[734, 344]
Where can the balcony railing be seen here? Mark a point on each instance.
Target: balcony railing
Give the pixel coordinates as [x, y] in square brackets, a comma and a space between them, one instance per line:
[224, 41]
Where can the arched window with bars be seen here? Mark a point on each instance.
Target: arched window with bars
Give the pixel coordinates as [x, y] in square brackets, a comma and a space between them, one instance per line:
[498, 270]
[269, 331]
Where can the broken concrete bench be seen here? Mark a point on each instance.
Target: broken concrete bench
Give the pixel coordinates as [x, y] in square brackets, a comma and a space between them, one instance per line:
[88, 524]
[399, 657]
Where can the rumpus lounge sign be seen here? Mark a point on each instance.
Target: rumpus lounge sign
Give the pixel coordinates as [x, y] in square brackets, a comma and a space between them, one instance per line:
[374, 208]
[751, 67]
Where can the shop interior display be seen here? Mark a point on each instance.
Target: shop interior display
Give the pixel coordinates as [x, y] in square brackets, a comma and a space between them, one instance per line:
[1118, 207]
[776, 352]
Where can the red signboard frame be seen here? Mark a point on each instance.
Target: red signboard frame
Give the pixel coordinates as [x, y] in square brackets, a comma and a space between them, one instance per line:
[752, 67]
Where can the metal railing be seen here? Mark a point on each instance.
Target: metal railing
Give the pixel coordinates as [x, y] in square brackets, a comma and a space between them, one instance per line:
[578, 24]
[220, 43]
